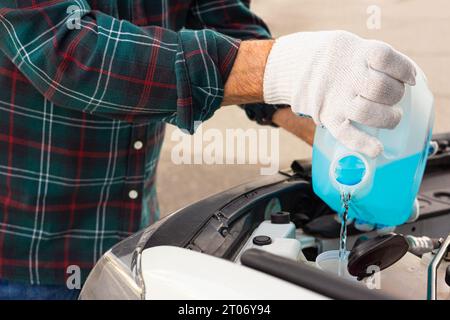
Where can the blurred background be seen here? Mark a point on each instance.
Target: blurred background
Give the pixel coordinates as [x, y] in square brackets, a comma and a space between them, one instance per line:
[419, 28]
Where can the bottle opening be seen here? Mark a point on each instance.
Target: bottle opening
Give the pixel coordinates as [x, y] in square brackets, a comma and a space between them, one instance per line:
[350, 170]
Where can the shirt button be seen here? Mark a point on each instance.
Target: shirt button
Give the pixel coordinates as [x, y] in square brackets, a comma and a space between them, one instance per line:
[133, 194]
[138, 145]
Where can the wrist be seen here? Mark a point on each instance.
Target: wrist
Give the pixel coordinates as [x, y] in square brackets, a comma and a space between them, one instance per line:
[245, 83]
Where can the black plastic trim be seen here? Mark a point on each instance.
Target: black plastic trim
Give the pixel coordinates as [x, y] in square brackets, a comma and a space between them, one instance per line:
[182, 226]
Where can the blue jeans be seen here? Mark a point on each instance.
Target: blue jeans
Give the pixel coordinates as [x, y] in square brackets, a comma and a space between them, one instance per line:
[19, 291]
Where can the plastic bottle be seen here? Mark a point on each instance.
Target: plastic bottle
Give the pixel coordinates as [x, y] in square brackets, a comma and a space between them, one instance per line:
[383, 189]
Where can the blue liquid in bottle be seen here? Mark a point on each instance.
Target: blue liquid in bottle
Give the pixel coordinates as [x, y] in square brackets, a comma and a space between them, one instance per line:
[389, 201]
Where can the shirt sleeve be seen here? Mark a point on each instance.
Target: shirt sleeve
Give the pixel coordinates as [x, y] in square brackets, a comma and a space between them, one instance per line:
[86, 60]
[234, 18]
[231, 17]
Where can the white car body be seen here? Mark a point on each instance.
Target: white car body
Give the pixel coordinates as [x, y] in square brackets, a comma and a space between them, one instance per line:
[181, 274]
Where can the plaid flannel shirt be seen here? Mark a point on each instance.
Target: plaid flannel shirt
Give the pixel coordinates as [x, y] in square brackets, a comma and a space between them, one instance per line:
[85, 89]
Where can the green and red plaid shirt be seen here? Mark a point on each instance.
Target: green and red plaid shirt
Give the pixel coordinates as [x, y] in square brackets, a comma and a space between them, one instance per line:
[83, 104]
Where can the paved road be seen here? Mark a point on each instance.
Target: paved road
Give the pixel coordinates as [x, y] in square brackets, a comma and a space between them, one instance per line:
[420, 28]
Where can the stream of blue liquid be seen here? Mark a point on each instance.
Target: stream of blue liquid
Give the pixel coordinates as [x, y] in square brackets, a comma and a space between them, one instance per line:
[345, 199]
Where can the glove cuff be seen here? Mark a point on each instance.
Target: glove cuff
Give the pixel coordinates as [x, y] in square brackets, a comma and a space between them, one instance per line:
[289, 72]
[279, 74]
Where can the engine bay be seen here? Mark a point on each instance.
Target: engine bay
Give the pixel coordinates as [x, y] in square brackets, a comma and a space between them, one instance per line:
[394, 264]
[278, 226]
[306, 228]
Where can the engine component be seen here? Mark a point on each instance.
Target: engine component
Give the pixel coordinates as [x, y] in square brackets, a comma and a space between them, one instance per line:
[447, 276]
[433, 268]
[420, 245]
[276, 236]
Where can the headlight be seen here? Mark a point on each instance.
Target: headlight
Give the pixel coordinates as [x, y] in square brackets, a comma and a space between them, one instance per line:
[117, 275]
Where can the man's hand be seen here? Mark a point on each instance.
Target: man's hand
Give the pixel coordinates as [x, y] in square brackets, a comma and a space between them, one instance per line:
[339, 79]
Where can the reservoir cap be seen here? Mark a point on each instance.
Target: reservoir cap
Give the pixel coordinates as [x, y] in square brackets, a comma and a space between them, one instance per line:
[350, 170]
[381, 252]
[262, 240]
[280, 218]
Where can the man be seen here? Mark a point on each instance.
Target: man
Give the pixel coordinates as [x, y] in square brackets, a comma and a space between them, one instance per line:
[87, 86]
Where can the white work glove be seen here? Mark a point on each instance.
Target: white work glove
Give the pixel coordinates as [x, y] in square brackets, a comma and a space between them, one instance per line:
[339, 79]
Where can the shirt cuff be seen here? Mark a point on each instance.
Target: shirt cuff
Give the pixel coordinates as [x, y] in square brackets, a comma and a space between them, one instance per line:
[203, 63]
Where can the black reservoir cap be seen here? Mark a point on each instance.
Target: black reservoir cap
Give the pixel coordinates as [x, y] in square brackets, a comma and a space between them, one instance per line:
[262, 240]
[281, 217]
[382, 251]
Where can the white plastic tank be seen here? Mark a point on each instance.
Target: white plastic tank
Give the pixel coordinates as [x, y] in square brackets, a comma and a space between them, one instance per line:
[281, 240]
[383, 190]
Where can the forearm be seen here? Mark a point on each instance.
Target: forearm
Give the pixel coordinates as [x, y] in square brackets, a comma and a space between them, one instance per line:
[245, 83]
[301, 127]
